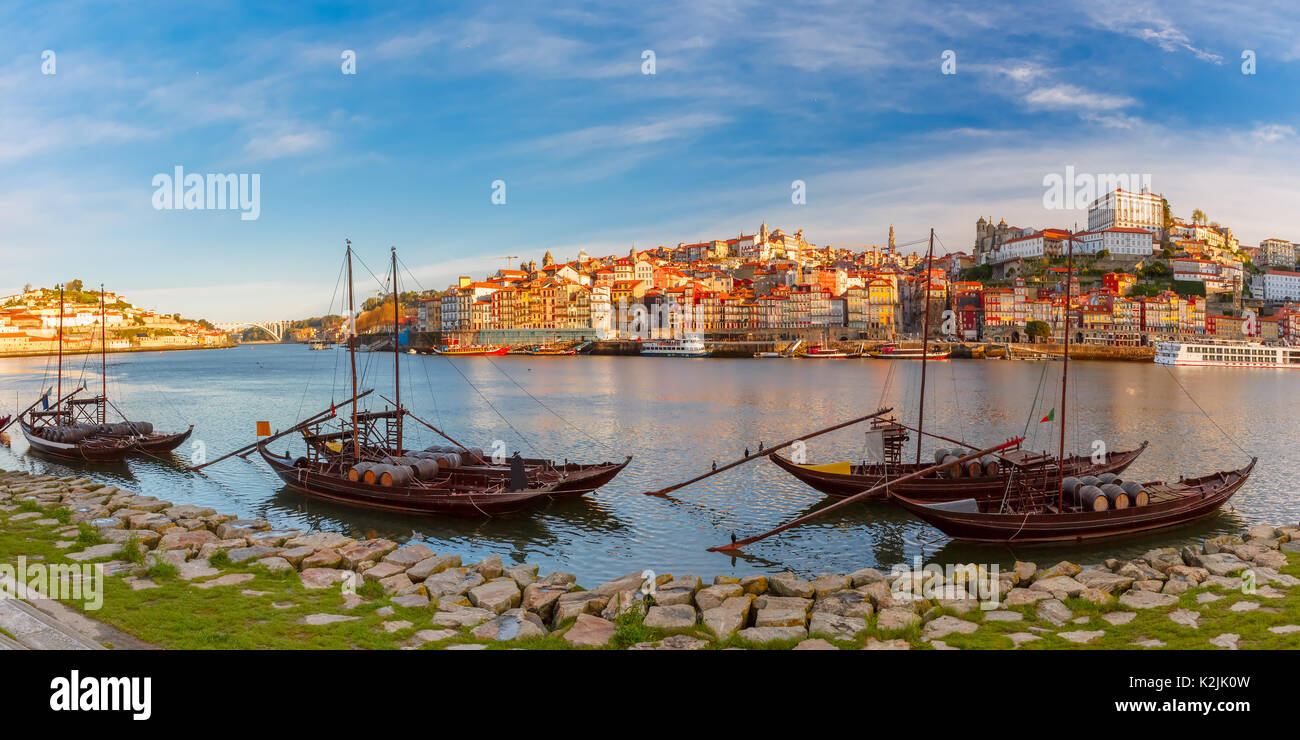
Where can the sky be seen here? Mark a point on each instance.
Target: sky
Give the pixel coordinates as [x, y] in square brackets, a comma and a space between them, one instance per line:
[553, 100]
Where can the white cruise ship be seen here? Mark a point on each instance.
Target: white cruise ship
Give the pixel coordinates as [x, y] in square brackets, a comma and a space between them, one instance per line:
[1240, 354]
[691, 346]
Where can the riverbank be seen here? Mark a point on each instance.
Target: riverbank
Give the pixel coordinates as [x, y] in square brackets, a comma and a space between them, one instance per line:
[129, 350]
[186, 577]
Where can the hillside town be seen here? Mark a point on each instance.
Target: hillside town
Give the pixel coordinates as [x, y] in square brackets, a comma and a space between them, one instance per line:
[1140, 276]
[30, 321]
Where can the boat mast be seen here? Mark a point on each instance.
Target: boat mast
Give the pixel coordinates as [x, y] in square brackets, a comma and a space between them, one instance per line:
[925, 348]
[58, 416]
[352, 354]
[397, 357]
[103, 358]
[1065, 372]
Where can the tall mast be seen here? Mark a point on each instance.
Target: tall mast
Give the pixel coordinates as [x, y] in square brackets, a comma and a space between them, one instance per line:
[58, 417]
[103, 357]
[397, 357]
[1065, 372]
[352, 355]
[925, 347]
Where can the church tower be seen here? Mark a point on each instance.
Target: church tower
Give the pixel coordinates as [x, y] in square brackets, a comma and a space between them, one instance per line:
[891, 238]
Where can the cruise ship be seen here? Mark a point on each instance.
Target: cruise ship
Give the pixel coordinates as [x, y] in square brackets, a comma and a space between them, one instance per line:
[691, 346]
[1240, 354]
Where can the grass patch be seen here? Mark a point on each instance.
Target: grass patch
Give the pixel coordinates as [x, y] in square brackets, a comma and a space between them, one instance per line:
[162, 570]
[371, 590]
[29, 505]
[62, 515]
[131, 551]
[88, 536]
[219, 559]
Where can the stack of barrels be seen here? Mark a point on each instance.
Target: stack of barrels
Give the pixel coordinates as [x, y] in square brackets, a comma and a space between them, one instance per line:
[1103, 492]
[74, 433]
[413, 466]
[987, 465]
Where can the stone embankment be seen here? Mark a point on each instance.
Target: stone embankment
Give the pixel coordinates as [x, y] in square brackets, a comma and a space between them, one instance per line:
[446, 603]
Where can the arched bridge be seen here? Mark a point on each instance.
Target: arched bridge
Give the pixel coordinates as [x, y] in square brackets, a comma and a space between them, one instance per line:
[275, 329]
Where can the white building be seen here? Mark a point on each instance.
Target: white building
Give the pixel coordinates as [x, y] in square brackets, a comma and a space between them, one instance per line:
[1125, 209]
[1119, 241]
[1281, 285]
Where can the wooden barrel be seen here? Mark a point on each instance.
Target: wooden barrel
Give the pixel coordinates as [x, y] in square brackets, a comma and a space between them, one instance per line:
[1117, 497]
[992, 466]
[951, 467]
[1070, 484]
[940, 454]
[395, 475]
[1090, 480]
[1137, 495]
[974, 469]
[1091, 498]
[426, 469]
[1107, 477]
[357, 472]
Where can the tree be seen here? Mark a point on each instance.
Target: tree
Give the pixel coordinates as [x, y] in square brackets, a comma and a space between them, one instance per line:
[1198, 217]
[1038, 329]
[73, 286]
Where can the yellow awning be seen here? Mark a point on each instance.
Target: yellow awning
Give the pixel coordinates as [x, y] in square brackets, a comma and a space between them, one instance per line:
[835, 468]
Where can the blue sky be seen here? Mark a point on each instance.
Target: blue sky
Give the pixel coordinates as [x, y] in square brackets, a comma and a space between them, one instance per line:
[551, 99]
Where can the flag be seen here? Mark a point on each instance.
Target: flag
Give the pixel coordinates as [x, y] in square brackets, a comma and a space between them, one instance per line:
[1050, 416]
[333, 412]
[45, 399]
[263, 428]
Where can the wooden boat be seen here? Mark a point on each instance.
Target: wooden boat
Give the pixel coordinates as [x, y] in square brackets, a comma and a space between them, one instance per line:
[1029, 515]
[447, 495]
[571, 479]
[470, 350]
[78, 428]
[787, 352]
[366, 463]
[845, 479]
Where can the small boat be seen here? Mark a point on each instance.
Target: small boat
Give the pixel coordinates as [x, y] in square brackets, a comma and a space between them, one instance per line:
[553, 351]
[471, 350]
[1048, 514]
[78, 429]
[319, 344]
[842, 479]
[787, 352]
[691, 346]
[361, 459]
[894, 351]
[823, 352]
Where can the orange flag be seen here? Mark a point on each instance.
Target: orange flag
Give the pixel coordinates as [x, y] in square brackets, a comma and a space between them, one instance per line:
[263, 428]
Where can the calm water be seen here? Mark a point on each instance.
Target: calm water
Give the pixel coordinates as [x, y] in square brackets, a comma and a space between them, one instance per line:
[676, 416]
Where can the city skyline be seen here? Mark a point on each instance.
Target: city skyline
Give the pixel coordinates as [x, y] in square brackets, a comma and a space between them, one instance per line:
[593, 153]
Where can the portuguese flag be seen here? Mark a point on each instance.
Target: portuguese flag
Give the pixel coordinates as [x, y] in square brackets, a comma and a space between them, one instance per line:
[1050, 416]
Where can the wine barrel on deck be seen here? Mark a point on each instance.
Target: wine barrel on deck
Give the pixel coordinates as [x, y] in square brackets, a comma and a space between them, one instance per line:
[974, 469]
[1116, 495]
[1091, 498]
[357, 473]
[394, 475]
[952, 467]
[1137, 495]
[991, 465]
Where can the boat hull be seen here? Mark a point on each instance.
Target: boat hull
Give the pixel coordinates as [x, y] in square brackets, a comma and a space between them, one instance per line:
[937, 489]
[106, 450]
[312, 480]
[978, 526]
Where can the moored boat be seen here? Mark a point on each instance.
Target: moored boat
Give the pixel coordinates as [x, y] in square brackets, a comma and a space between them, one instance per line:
[691, 346]
[1032, 514]
[898, 352]
[471, 350]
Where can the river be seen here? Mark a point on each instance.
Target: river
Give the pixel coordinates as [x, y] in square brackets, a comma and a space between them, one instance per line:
[675, 416]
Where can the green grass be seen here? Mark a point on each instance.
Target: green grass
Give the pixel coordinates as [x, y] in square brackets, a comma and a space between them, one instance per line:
[219, 559]
[88, 536]
[177, 615]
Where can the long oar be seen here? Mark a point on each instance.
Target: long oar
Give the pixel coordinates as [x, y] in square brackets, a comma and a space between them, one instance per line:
[766, 452]
[855, 497]
[57, 404]
[950, 440]
[308, 422]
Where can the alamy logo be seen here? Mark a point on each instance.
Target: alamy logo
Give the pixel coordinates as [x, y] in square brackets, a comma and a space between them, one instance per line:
[1078, 190]
[211, 192]
[67, 582]
[92, 694]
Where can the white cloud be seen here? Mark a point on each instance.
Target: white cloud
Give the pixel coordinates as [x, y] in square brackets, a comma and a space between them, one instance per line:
[1273, 132]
